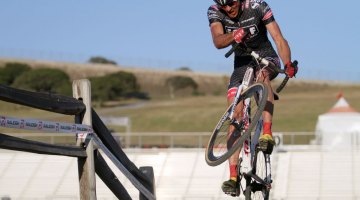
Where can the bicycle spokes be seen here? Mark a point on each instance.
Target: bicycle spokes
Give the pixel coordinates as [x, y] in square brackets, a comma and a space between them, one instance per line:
[258, 180]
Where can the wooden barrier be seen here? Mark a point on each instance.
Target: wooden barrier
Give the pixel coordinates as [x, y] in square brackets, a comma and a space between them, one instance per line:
[89, 158]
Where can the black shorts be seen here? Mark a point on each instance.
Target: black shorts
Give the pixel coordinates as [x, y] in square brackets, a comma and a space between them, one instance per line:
[240, 66]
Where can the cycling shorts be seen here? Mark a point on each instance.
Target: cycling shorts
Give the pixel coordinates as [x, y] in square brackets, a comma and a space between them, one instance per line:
[239, 71]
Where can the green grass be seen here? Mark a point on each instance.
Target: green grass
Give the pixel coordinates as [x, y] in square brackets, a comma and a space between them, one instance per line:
[182, 114]
[297, 110]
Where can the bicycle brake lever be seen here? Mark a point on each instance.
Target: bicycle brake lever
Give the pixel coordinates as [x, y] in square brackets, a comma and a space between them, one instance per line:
[283, 83]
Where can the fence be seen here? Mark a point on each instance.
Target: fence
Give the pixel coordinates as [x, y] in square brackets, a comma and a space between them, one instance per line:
[91, 135]
[169, 139]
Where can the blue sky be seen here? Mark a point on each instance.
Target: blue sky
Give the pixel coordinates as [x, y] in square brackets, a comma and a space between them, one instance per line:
[323, 35]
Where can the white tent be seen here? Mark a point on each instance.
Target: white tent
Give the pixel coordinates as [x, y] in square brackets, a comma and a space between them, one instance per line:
[340, 127]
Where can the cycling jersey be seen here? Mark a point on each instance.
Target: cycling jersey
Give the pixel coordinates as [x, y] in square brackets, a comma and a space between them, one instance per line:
[253, 16]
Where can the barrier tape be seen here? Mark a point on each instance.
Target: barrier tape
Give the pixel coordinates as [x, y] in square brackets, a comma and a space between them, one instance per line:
[40, 125]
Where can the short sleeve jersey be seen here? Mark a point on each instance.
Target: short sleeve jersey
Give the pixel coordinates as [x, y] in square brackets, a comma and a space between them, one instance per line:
[254, 15]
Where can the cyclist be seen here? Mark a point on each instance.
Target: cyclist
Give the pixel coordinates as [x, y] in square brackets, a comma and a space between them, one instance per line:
[248, 22]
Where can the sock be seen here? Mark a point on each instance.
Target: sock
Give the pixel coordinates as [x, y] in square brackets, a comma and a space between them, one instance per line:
[267, 128]
[233, 172]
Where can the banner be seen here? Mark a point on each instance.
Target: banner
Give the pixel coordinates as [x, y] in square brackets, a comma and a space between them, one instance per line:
[45, 126]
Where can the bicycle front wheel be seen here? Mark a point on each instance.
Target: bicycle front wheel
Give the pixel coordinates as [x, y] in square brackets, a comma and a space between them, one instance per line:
[224, 141]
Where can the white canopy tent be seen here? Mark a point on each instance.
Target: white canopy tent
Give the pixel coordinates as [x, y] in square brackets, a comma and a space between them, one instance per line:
[339, 128]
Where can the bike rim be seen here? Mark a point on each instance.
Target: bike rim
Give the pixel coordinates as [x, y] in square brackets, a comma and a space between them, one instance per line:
[260, 171]
[222, 144]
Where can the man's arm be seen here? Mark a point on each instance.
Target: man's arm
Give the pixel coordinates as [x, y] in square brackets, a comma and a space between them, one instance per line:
[281, 44]
[220, 39]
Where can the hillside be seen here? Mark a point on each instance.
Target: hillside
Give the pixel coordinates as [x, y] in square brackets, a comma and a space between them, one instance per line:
[300, 102]
[151, 81]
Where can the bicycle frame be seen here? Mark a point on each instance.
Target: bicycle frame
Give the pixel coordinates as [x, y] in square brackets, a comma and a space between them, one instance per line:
[248, 79]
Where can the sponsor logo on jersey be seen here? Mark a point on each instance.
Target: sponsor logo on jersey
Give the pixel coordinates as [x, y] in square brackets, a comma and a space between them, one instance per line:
[212, 12]
[246, 20]
[214, 16]
[229, 21]
[230, 29]
[253, 30]
[255, 3]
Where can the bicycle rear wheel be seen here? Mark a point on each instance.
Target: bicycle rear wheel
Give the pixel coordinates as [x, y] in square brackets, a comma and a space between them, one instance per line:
[222, 143]
[255, 190]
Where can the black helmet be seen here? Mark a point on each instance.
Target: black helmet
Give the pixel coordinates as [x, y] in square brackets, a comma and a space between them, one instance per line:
[223, 2]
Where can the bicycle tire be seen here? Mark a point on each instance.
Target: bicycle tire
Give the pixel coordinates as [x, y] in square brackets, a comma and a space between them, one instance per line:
[217, 150]
[256, 191]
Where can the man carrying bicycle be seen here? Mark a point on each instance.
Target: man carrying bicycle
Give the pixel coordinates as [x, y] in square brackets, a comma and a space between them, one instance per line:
[248, 22]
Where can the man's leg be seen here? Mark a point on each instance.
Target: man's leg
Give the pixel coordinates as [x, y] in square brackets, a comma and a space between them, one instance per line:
[266, 141]
[231, 186]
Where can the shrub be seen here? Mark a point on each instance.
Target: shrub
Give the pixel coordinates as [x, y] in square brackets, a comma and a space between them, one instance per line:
[115, 86]
[11, 71]
[180, 82]
[100, 89]
[45, 80]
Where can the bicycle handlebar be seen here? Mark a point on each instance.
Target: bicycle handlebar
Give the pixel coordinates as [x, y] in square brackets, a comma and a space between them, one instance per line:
[232, 50]
[283, 83]
[263, 61]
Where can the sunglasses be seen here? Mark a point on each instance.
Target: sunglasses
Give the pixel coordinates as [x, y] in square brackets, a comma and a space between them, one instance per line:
[230, 4]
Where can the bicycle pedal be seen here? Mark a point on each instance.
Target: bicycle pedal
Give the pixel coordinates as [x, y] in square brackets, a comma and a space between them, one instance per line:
[233, 194]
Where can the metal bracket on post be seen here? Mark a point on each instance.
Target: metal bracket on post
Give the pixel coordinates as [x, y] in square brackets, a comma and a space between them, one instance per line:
[86, 166]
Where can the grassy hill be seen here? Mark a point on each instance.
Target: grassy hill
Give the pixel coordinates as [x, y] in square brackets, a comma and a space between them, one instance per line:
[300, 102]
[151, 81]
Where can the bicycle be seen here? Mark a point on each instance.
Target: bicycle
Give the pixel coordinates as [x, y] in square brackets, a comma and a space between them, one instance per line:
[233, 131]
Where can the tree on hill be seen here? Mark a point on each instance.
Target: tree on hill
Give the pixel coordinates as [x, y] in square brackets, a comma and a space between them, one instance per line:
[44, 80]
[176, 83]
[11, 71]
[101, 60]
[184, 68]
[115, 86]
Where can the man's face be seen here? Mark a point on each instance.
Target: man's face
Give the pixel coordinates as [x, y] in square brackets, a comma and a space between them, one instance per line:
[232, 9]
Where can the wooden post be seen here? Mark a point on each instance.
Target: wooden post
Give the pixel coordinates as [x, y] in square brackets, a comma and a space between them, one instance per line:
[86, 166]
